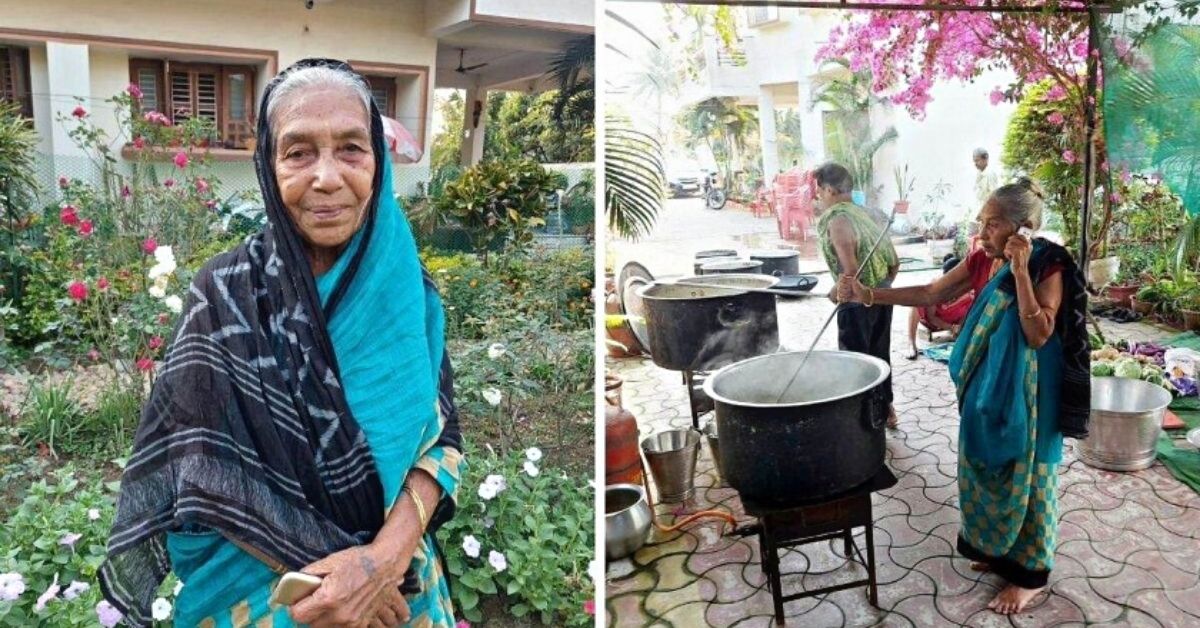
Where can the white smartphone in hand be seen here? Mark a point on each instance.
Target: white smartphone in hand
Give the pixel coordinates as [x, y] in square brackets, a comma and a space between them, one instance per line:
[1026, 232]
[293, 587]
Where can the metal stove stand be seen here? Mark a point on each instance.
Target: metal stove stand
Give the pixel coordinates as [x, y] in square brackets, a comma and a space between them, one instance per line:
[781, 527]
[698, 401]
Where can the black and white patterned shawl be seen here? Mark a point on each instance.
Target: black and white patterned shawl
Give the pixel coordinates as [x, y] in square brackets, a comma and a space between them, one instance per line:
[247, 430]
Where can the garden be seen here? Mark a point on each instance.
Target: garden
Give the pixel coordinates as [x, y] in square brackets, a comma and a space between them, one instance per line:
[91, 282]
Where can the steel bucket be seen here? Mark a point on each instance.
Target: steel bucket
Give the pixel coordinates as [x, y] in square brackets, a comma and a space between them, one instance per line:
[672, 459]
[627, 520]
[1126, 420]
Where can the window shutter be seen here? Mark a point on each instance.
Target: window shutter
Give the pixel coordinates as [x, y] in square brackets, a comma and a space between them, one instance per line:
[14, 78]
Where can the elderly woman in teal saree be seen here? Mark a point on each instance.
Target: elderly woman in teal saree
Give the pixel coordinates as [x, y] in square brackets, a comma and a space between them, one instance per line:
[1021, 375]
[303, 418]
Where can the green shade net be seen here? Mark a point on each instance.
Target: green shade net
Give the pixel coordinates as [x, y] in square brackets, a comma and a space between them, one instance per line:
[1152, 103]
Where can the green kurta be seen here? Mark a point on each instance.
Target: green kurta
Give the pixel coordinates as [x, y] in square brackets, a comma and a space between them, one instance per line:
[866, 231]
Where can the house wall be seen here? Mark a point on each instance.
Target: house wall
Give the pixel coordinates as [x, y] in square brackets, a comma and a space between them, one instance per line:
[566, 13]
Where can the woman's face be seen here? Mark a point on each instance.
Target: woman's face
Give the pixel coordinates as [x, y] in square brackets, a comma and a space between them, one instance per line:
[994, 229]
[324, 165]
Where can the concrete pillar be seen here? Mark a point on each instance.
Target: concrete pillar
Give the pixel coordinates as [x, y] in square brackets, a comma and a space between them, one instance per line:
[767, 133]
[474, 126]
[812, 125]
[68, 77]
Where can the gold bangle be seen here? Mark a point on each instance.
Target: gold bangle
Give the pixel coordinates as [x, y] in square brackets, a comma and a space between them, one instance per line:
[1034, 315]
[412, 494]
[870, 293]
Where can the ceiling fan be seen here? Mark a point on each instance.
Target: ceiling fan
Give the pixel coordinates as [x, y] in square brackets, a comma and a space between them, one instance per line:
[463, 70]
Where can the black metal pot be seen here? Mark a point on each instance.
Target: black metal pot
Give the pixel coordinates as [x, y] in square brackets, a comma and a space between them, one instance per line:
[824, 438]
[734, 267]
[778, 262]
[699, 329]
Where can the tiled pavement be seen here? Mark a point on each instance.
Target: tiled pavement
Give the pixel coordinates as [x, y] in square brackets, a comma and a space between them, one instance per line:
[1128, 549]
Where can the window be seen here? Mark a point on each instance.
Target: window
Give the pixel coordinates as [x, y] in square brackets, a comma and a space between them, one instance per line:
[383, 92]
[14, 78]
[222, 94]
[762, 15]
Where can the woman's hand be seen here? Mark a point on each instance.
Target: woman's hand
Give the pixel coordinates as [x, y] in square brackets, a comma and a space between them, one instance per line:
[850, 290]
[359, 589]
[1017, 251]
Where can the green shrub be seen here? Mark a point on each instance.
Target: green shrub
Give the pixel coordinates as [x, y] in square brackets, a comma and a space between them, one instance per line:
[498, 201]
[543, 528]
[53, 418]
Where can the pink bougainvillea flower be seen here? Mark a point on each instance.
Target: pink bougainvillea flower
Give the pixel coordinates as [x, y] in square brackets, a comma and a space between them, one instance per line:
[145, 365]
[86, 227]
[181, 160]
[1056, 118]
[149, 245]
[1104, 166]
[1068, 156]
[68, 215]
[102, 284]
[169, 183]
[134, 91]
[589, 607]
[155, 342]
[1126, 175]
[1056, 93]
[154, 117]
[79, 112]
[63, 182]
[462, 623]
[1116, 198]
[139, 142]
[78, 290]
[996, 96]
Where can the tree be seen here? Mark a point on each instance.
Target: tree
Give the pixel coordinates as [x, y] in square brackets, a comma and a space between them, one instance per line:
[655, 78]
[723, 126]
[848, 94]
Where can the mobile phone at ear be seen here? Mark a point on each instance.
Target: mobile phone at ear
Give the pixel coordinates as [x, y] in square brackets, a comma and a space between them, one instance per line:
[293, 587]
[1026, 232]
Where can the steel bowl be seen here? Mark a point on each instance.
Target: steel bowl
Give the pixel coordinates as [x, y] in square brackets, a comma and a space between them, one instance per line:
[1126, 420]
[627, 520]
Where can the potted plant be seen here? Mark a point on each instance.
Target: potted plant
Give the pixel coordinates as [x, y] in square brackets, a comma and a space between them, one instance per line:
[937, 235]
[904, 187]
[1189, 308]
[1124, 286]
[1147, 298]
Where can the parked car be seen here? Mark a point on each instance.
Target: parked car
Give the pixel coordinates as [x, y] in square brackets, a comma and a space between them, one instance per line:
[684, 178]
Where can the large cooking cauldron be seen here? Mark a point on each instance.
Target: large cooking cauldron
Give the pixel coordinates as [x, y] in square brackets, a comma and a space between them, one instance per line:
[700, 329]
[777, 262]
[824, 438]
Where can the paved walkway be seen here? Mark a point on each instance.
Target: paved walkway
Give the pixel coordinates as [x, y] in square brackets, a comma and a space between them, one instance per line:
[1128, 549]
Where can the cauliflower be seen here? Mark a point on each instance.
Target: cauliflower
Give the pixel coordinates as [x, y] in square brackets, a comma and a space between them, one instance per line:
[1102, 368]
[1128, 367]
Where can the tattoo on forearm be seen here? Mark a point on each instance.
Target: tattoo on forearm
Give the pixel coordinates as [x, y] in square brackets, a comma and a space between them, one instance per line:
[368, 565]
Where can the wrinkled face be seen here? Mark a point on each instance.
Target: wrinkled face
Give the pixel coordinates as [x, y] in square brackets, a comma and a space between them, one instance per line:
[980, 162]
[324, 165]
[825, 197]
[994, 230]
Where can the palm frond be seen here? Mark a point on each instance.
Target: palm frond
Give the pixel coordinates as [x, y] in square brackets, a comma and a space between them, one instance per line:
[634, 179]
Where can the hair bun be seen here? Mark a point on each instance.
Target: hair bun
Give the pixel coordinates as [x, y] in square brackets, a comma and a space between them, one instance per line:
[1032, 186]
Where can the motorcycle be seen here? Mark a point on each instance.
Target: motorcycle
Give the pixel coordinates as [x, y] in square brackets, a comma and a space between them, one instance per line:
[714, 197]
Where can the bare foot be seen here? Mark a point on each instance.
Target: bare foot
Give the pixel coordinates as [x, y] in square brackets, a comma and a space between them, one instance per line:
[980, 566]
[911, 355]
[1012, 599]
[893, 421]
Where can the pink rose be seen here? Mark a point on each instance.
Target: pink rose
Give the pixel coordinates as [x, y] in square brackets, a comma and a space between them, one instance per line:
[163, 318]
[86, 227]
[201, 186]
[78, 291]
[169, 183]
[149, 245]
[145, 365]
[63, 182]
[68, 216]
[79, 112]
[155, 342]
[181, 160]
[134, 91]
[139, 142]
[102, 284]
[589, 607]
[1069, 156]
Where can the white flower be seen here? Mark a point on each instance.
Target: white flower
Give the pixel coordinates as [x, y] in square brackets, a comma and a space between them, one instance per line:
[594, 570]
[496, 351]
[533, 454]
[50, 593]
[174, 303]
[157, 292]
[497, 561]
[69, 539]
[12, 585]
[497, 481]
[492, 396]
[531, 469]
[93, 514]
[107, 614]
[471, 546]
[178, 588]
[74, 589]
[161, 609]
[488, 522]
[487, 491]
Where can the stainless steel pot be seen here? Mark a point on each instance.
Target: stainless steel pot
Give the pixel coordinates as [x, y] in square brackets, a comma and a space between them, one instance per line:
[778, 262]
[739, 266]
[698, 329]
[1125, 422]
[703, 257]
[825, 436]
[627, 520]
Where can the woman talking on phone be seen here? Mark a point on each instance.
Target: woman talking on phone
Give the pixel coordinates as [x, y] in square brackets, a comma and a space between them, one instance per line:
[1020, 367]
[303, 420]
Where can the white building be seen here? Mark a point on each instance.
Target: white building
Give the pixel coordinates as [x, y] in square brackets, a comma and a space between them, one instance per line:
[775, 68]
[212, 58]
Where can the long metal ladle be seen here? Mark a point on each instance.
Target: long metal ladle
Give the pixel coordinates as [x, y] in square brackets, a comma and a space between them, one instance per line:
[861, 266]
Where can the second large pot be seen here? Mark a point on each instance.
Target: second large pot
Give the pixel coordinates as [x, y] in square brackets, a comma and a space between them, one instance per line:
[825, 437]
[699, 328]
[778, 262]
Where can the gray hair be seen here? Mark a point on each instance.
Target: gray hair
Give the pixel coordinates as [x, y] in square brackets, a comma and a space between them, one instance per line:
[304, 79]
[1020, 202]
[980, 152]
[835, 176]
